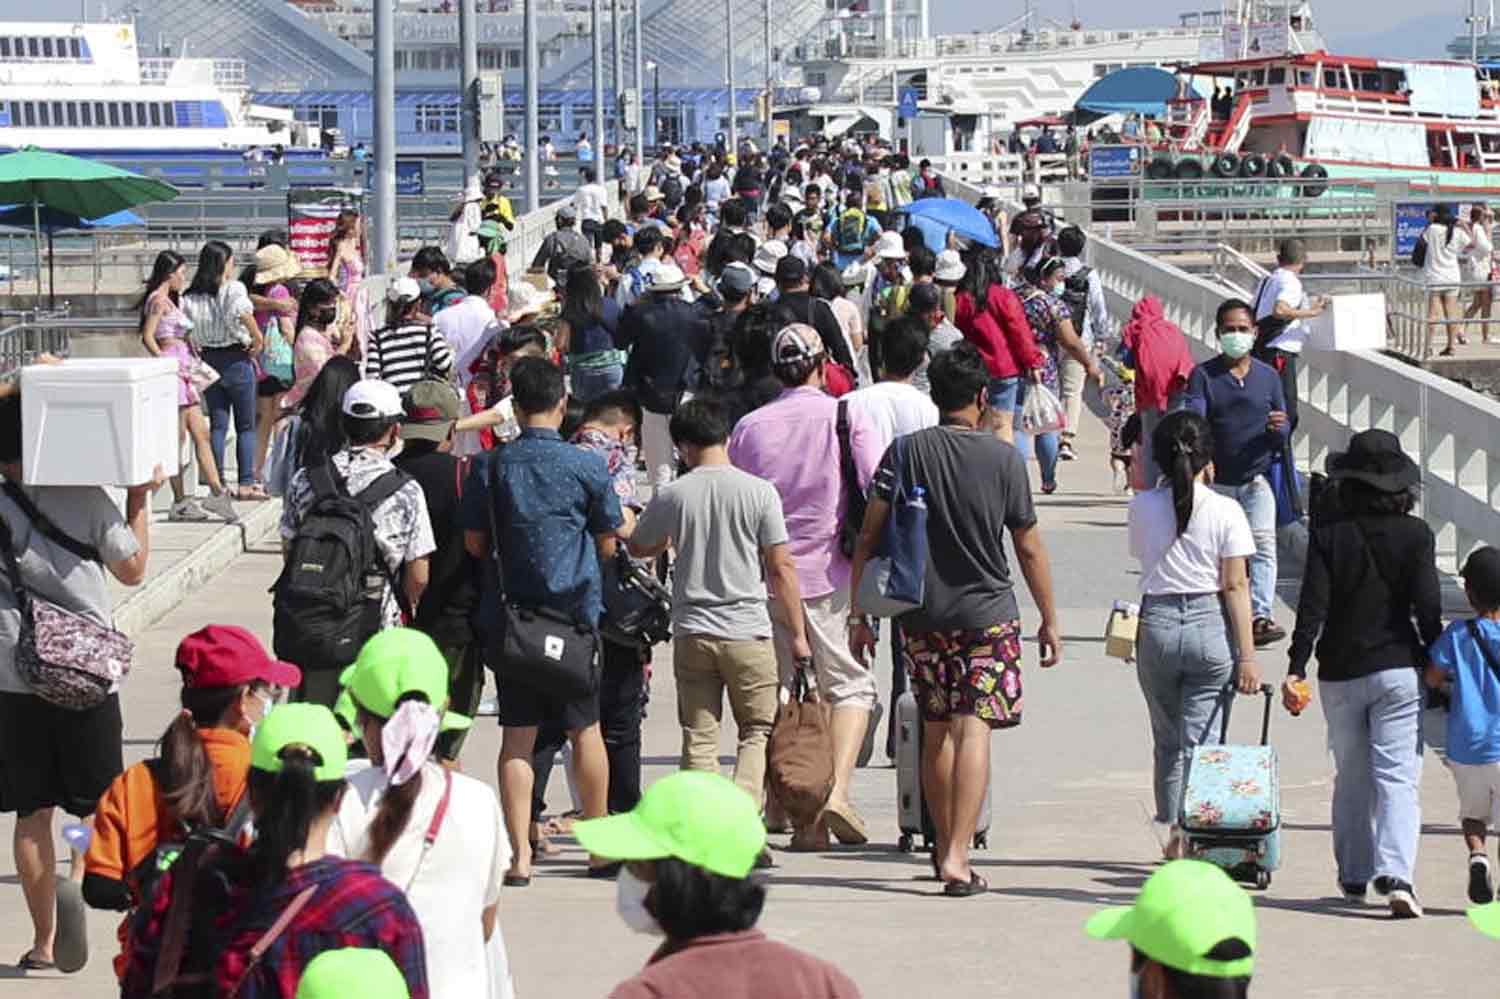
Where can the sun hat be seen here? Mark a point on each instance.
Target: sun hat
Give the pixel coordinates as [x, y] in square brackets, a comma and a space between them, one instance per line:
[797, 342]
[432, 407]
[372, 399]
[1376, 459]
[400, 661]
[526, 299]
[275, 263]
[768, 255]
[669, 277]
[653, 193]
[301, 724]
[402, 289]
[1184, 910]
[366, 972]
[890, 247]
[950, 267]
[696, 816]
[226, 655]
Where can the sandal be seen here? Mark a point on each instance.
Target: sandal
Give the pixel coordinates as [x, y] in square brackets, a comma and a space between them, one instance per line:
[516, 880]
[29, 963]
[1446, 352]
[976, 885]
[253, 493]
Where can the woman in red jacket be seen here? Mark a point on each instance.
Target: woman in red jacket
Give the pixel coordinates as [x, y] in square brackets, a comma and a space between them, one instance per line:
[991, 317]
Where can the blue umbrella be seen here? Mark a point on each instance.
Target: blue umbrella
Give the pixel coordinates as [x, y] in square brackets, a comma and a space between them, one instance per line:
[51, 220]
[959, 216]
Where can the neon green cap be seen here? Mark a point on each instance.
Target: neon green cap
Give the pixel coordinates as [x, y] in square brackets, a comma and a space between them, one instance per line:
[698, 817]
[1486, 919]
[352, 971]
[310, 725]
[345, 711]
[399, 661]
[1184, 910]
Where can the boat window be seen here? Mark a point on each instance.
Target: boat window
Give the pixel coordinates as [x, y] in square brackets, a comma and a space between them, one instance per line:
[140, 114]
[75, 50]
[169, 115]
[155, 110]
[46, 48]
[86, 114]
[31, 48]
[72, 110]
[4, 48]
[1304, 77]
[127, 114]
[114, 114]
[1258, 78]
[30, 110]
[1374, 83]
[1276, 75]
[99, 113]
[16, 114]
[1331, 79]
[43, 116]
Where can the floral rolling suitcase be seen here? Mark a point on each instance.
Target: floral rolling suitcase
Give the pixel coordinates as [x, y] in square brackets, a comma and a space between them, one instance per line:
[1231, 802]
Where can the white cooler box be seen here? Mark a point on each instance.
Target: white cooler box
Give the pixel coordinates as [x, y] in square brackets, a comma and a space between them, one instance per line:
[98, 421]
[1350, 322]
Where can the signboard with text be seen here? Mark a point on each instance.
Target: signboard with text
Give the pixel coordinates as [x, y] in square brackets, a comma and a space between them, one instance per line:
[1114, 162]
[311, 214]
[1258, 38]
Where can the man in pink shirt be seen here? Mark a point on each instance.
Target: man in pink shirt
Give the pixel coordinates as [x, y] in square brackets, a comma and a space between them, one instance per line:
[793, 444]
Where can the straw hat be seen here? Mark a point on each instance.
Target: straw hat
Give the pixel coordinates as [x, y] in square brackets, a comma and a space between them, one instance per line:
[274, 264]
[526, 300]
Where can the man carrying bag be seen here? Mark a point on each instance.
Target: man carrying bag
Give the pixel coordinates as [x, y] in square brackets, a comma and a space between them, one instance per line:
[534, 510]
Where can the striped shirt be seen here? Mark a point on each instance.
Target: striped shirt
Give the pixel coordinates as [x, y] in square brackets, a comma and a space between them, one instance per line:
[403, 355]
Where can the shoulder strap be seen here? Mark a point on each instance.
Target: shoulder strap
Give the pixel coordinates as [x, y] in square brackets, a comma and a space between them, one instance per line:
[1370, 551]
[239, 817]
[436, 825]
[846, 451]
[49, 530]
[1484, 649]
[179, 917]
[325, 480]
[382, 489]
[11, 566]
[272, 934]
[495, 528]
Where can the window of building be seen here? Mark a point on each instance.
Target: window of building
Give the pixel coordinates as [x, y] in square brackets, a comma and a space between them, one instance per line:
[127, 114]
[321, 115]
[512, 58]
[86, 114]
[114, 114]
[30, 110]
[169, 114]
[400, 58]
[436, 118]
[43, 114]
[72, 112]
[140, 114]
[46, 48]
[75, 50]
[155, 111]
[33, 49]
[1101, 70]
[4, 48]
[99, 113]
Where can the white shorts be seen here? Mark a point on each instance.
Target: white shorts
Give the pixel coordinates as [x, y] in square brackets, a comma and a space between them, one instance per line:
[1478, 790]
[843, 680]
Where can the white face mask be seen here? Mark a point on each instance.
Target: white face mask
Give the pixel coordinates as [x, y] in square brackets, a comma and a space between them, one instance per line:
[267, 701]
[630, 903]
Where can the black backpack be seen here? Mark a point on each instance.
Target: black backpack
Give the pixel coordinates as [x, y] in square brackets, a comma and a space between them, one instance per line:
[720, 371]
[1076, 296]
[1419, 252]
[324, 601]
[671, 190]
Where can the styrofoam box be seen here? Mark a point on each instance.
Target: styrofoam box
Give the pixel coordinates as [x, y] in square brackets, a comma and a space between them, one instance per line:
[98, 421]
[1350, 322]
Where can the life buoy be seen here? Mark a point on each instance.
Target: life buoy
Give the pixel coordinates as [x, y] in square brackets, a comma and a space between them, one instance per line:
[1159, 168]
[1281, 166]
[1253, 165]
[1189, 170]
[1226, 165]
[1317, 180]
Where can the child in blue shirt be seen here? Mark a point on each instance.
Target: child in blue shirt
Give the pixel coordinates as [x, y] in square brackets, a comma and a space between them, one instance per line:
[1466, 661]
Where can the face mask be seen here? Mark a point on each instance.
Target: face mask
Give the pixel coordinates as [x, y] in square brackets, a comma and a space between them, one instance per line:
[426, 287]
[267, 703]
[630, 903]
[1056, 291]
[1236, 345]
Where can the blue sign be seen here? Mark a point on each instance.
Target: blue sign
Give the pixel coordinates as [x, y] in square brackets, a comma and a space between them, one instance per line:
[1113, 162]
[409, 178]
[908, 107]
[1411, 221]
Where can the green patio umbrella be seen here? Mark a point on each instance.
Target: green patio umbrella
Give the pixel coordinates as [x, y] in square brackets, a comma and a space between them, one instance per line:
[85, 188]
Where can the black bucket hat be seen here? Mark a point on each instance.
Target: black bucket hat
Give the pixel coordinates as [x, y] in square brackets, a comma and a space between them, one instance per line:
[1376, 459]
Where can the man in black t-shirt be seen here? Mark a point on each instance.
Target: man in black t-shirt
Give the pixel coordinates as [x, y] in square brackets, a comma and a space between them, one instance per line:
[452, 592]
[795, 304]
[976, 491]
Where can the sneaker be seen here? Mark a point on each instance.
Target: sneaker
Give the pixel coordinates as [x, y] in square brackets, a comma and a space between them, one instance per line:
[1266, 632]
[1065, 451]
[1353, 893]
[1383, 885]
[187, 511]
[221, 506]
[1481, 888]
[1404, 904]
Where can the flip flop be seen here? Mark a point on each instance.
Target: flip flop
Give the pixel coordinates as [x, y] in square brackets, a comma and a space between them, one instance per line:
[976, 885]
[516, 881]
[29, 963]
[71, 947]
[606, 872]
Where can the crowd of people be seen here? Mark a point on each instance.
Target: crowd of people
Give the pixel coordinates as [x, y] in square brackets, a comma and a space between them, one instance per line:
[722, 402]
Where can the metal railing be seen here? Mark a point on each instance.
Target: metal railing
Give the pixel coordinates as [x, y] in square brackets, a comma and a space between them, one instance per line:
[26, 334]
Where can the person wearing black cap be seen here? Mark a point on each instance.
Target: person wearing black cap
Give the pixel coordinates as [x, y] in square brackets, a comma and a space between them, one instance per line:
[1381, 563]
[565, 248]
[795, 304]
[1465, 662]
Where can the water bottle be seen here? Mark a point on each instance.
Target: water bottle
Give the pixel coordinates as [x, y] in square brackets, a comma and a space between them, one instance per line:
[78, 836]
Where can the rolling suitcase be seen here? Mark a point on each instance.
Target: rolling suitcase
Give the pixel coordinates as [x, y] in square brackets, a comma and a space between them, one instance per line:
[911, 803]
[1231, 802]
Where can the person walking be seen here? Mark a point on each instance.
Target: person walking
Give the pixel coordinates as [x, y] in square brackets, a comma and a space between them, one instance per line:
[992, 318]
[564, 248]
[166, 331]
[1446, 240]
[406, 349]
[793, 443]
[1243, 402]
[550, 502]
[730, 536]
[1083, 293]
[225, 334]
[1156, 350]
[1194, 635]
[1479, 267]
[1370, 608]
[62, 541]
[962, 648]
[434, 832]
[1281, 308]
[666, 337]
[586, 336]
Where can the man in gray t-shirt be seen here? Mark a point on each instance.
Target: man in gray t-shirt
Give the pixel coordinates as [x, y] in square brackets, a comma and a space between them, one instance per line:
[725, 525]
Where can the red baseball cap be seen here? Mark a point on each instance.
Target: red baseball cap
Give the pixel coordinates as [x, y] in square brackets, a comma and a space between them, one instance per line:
[225, 655]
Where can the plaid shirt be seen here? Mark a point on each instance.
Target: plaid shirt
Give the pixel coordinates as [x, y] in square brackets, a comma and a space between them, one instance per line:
[353, 907]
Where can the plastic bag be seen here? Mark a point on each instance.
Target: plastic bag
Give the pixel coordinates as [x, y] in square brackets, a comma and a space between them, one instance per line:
[1042, 412]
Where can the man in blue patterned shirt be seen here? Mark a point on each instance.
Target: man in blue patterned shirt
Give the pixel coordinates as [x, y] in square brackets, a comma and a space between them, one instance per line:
[551, 503]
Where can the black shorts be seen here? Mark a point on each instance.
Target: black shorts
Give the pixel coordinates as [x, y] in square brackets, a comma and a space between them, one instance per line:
[56, 757]
[270, 385]
[522, 707]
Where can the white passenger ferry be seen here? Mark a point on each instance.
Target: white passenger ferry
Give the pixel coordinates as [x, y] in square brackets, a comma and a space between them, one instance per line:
[84, 89]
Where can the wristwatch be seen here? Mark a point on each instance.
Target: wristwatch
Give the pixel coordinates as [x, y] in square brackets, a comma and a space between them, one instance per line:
[863, 619]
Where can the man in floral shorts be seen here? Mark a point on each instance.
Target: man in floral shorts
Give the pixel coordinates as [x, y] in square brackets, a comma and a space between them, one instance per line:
[963, 648]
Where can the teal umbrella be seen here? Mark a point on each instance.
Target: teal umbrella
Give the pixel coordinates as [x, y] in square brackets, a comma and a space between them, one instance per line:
[85, 188]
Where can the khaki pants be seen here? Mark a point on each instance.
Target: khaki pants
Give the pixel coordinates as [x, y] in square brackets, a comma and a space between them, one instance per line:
[843, 682]
[1071, 377]
[707, 667]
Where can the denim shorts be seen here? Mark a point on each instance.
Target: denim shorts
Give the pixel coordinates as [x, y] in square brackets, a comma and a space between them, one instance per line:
[1005, 393]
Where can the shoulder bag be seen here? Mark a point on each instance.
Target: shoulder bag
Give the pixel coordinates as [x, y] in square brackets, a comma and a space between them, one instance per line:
[854, 497]
[799, 755]
[895, 577]
[67, 659]
[549, 651]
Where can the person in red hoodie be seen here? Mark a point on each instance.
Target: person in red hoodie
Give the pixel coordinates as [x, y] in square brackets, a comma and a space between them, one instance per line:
[991, 317]
[1162, 361]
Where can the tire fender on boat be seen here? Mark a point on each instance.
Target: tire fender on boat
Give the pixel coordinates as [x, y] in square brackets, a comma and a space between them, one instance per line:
[1253, 165]
[1159, 168]
[1226, 165]
[1317, 177]
[1189, 169]
[1281, 166]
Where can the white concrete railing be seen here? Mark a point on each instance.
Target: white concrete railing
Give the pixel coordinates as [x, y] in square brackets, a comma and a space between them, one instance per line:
[1448, 430]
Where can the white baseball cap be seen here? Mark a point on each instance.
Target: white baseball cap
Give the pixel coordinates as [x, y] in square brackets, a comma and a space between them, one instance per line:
[950, 267]
[890, 247]
[403, 289]
[373, 399]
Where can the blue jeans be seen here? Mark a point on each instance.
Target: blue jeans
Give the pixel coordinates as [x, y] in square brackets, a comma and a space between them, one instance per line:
[1374, 733]
[1045, 445]
[1259, 504]
[1183, 662]
[1005, 393]
[233, 392]
[590, 383]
